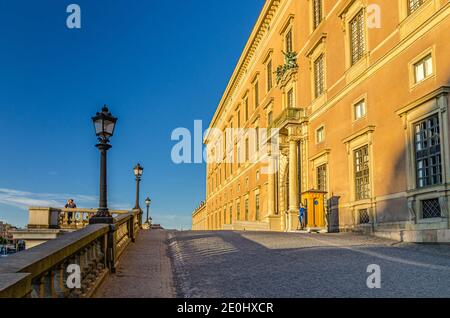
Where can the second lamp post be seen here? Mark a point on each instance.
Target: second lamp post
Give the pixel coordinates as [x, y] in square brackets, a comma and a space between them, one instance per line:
[138, 170]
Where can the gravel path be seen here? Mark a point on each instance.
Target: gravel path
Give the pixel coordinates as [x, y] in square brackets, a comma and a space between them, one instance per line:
[254, 264]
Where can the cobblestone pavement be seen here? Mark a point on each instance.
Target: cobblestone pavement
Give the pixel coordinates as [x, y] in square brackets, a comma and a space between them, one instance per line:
[144, 270]
[251, 264]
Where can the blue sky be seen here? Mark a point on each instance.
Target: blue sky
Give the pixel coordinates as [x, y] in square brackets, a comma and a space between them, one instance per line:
[159, 65]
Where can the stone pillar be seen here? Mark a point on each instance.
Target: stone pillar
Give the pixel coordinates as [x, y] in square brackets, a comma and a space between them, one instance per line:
[293, 185]
[271, 188]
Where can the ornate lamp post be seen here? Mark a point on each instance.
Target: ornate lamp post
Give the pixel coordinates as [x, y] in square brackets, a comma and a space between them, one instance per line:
[147, 203]
[104, 124]
[138, 171]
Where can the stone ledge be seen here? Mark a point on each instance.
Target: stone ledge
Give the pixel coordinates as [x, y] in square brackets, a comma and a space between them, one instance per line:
[15, 285]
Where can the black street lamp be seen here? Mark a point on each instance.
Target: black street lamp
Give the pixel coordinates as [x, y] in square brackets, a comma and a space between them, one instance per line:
[104, 124]
[147, 203]
[138, 171]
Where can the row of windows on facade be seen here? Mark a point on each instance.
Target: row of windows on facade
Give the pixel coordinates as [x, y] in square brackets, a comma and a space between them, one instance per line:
[422, 69]
[216, 218]
[428, 160]
[428, 163]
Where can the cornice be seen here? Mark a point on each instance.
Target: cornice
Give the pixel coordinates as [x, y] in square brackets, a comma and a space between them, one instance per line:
[261, 27]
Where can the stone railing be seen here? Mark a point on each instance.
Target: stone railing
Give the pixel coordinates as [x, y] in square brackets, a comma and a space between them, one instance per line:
[68, 219]
[287, 116]
[47, 270]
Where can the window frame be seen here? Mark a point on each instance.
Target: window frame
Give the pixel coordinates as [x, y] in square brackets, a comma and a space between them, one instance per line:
[438, 154]
[363, 189]
[319, 76]
[316, 22]
[320, 129]
[360, 36]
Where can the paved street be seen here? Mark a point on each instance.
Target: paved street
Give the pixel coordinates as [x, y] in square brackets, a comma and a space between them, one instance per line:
[144, 270]
[247, 264]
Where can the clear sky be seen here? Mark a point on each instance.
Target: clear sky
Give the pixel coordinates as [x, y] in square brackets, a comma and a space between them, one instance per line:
[159, 65]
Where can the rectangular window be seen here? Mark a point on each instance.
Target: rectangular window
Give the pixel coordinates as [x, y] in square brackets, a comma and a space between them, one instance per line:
[423, 69]
[431, 209]
[428, 152]
[360, 109]
[364, 217]
[319, 76]
[239, 155]
[238, 211]
[269, 118]
[247, 150]
[256, 93]
[257, 207]
[317, 13]
[290, 98]
[322, 178]
[289, 42]
[231, 215]
[269, 75]
[413, 5]
[247, 212]
[320, 135]
[357, 40]
[257, 138]
[239, 118]
[362, 175]
[225, 216]
[246, 108]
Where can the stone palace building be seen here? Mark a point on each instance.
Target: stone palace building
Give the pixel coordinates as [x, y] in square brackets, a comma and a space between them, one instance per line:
[345, 100]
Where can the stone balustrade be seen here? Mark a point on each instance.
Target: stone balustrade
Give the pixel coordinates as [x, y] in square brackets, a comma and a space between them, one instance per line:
[43, 271]
[69, 219]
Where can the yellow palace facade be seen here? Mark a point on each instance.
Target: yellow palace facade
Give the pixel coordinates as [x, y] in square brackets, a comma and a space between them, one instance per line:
[341, 106]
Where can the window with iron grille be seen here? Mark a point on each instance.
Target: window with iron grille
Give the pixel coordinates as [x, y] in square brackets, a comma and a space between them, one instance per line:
[364, 217]
[231, 215]
[362, 175]
[431, 209]
[428, 152]
[289, 44]
[269, 75]
[247, 212]
[357, 40]
[225, 216]
[322, 178]
[257, 207]
[317, 13]
[413, 5]
[319, 76]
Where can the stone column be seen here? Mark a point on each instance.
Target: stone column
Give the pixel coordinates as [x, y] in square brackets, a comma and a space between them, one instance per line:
[271, 188]
[293, 185]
